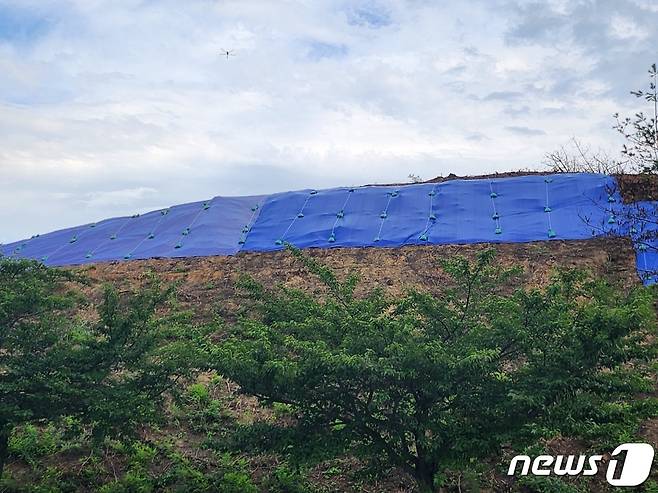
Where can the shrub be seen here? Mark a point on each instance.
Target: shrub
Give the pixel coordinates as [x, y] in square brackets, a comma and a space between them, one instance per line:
[110, 369]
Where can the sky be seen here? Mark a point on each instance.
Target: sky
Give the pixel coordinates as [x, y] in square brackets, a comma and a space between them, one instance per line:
[115, 107]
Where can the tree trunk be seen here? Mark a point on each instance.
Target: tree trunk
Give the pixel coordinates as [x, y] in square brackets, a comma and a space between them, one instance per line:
[424, 474]
[4, 447]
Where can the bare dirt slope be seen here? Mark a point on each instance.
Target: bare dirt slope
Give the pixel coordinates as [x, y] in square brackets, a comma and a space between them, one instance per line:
[208, 283]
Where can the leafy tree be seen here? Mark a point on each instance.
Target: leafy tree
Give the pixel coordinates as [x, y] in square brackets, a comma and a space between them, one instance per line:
[641, 131]
[434, 383]
[108, 366]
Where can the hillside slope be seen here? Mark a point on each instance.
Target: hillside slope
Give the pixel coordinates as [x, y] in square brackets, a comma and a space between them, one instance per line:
[207, 286]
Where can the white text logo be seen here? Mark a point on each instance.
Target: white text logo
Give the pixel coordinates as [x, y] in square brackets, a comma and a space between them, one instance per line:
[629, 465]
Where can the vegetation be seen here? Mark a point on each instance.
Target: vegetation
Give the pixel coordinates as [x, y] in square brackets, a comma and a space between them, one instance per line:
[354, 389]
[107, 367]
[436, 384]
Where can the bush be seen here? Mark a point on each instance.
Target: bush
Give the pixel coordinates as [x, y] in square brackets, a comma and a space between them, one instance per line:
[110, 370]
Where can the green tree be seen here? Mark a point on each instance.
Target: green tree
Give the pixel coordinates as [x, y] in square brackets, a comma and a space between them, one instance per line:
[641, 131]
[433, 383]
[109, 366]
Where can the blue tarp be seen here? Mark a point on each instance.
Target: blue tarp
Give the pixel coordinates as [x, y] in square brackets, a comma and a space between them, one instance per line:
[505, 210]
[643, 229]
[509, 210]
[213, 227]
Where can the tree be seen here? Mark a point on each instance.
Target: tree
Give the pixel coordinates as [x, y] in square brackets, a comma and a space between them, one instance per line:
[434, 383]
[641, 131]
[108, 366]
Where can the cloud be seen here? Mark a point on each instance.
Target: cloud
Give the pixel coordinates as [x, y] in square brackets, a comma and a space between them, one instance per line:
[503, 96]
[127, 196]
[624, 28]
[318, 50]
[114, 107]
[369, 14]
[530, 132]
[614, 39]
[536, 22]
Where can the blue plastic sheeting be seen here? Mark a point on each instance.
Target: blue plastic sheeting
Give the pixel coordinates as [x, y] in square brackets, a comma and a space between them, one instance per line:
[506, 210]
[519, 209]
[214, 227]
[643, 229]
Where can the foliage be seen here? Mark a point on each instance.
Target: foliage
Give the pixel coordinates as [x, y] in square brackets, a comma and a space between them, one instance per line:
[651, 487]
[641, 131]
[143, 466]
[435, 383]
[286, 480]
[201, 409]
[109, 366]
[228, 475]
[31, 443]
[542, 484]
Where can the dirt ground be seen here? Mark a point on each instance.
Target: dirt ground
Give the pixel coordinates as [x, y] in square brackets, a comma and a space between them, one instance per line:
[634, 188]
[208, 283]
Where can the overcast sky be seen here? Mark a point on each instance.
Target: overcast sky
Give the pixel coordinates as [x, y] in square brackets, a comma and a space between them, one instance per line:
[120, 106]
